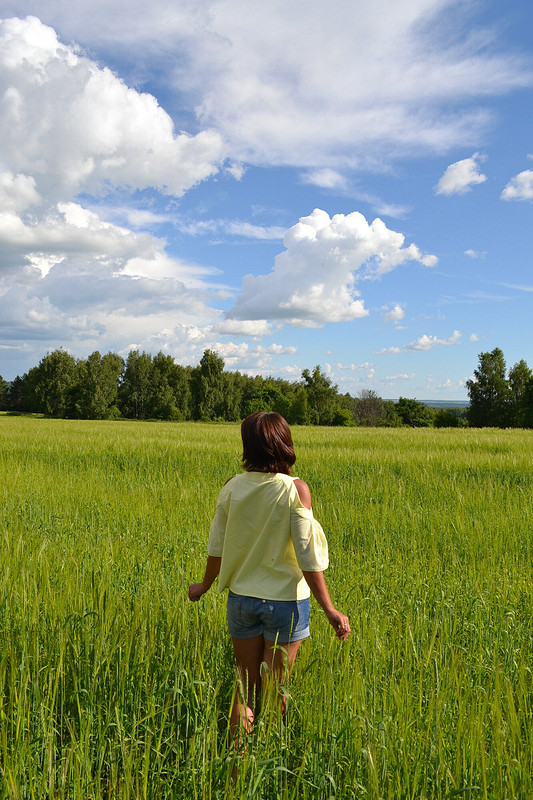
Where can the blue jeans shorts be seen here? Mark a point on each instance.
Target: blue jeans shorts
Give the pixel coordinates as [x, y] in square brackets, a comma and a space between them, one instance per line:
[277, 620]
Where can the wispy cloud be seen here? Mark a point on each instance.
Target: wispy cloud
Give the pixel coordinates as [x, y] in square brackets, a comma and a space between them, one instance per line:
[249, 76]
[424, 342]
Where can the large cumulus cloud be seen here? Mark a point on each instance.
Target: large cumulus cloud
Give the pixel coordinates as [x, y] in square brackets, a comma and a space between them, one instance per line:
[313, 279]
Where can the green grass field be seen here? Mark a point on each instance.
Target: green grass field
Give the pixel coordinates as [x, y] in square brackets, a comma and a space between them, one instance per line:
[115, 686]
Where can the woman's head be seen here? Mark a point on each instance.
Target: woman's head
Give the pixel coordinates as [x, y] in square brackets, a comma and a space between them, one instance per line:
[267, 443]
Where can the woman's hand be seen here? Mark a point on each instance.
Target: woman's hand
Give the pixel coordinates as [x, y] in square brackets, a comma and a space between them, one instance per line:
[212, 568]
[339, 623]
[196, 590]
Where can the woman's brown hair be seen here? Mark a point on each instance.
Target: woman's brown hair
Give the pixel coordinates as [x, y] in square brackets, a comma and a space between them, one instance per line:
[267, 443]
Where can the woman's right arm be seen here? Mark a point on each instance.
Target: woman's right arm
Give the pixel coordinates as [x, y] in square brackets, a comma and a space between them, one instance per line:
[212, 568]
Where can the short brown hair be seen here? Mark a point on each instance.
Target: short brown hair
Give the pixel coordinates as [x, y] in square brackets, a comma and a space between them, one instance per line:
[267, 443]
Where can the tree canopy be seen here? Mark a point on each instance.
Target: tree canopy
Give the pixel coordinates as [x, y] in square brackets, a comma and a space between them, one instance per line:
[156, 387]
[498, 398]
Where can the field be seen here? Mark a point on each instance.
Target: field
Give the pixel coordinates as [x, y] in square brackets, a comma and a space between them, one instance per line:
[115, 686]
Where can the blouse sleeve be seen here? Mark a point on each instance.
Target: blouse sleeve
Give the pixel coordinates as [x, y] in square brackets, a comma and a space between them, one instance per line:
[215, 543]
[309, 540]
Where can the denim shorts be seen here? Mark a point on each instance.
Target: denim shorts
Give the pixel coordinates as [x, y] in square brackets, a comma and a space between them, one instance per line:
[277, 620]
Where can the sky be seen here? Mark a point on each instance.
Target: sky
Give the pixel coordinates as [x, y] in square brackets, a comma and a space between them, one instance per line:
[340, 183]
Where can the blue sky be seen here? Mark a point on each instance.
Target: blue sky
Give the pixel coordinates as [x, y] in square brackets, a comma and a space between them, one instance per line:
[347, 184]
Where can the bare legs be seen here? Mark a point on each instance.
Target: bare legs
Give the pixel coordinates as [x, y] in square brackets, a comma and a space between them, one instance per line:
[250, 654]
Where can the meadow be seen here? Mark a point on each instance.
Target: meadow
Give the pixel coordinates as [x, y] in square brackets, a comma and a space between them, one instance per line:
[115, 686]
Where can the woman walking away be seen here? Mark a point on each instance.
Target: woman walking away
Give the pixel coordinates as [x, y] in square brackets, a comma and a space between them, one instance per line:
[266, 547]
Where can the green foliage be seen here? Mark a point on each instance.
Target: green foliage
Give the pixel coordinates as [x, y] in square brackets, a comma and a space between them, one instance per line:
[3, 394]
[414, 413]
[136, 389]
[299, 410]
[207, 386]
[369, 408]
[489, 392]
[115, 686]
[321, 395]
[54, 379]
[520, 377]
[95, 389]
[445, 418]
[170, 395]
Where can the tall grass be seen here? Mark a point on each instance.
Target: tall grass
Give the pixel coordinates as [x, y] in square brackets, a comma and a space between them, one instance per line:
[114, 686]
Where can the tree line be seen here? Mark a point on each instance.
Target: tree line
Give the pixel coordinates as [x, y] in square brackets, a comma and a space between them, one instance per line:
[155, 387]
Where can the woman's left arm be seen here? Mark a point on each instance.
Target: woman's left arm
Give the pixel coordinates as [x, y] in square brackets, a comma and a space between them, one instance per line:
[212, 568]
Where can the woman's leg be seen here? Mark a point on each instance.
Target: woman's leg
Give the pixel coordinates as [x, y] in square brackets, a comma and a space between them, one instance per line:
[279, 659]
[249, 657]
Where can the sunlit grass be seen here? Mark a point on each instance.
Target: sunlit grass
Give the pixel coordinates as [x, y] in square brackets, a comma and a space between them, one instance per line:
[114, 686]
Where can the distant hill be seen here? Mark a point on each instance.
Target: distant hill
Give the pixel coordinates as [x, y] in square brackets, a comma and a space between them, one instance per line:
[441, 403]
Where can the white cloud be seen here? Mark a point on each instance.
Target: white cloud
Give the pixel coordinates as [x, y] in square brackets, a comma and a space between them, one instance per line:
[474, 337]
[67, 126]
[461, 176]
[520, 187]
[476, 253]
[395, 314]
[312, 281]
[355, 367]
[426, 342]
[402, 376]
[325, 178]
[250, 231]
[250, 75]
[253, 328]
[227, 227]
[71, 125]
[17, 192]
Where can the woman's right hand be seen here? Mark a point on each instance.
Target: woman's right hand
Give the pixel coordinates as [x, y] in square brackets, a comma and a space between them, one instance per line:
[340, 624]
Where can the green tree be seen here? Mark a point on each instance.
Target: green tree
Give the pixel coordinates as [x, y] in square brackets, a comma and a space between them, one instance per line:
[55, 377]
[322, 396]
[528, 404]
[136, 388]
[489, 392]
[3, 394]
[299, 409]
[207, 387]
[232, 396]
[414, 413]
[95, 393]
[170, 389]
[519, 378]
[270, 395]
[390, 417]
[21, 393]
[444, 418]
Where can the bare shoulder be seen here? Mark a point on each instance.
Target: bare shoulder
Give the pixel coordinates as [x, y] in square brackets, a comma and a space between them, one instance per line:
[303, 492]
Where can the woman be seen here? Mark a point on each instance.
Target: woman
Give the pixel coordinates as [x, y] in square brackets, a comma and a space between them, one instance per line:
[266, 547]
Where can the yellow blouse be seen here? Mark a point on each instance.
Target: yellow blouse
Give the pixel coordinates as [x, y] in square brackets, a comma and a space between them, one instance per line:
[266, 537]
